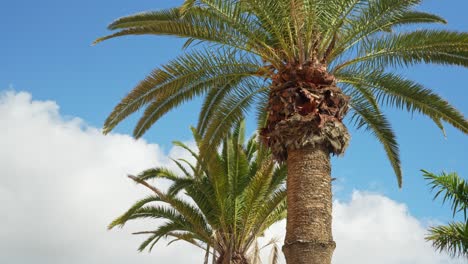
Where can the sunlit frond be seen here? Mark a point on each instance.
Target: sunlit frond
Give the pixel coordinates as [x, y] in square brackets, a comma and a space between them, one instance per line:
[369, 117]
[183, 79]
[226, 204]
[451, 238]
[397, 91]
[405, 49]
[451, 188]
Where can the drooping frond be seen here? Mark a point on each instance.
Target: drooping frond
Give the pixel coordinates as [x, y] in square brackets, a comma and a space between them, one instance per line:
[158, 172]
[231, 110]
[145, 19]
[366, 115]
[220, 23]
[396, 91]
[211, 103]
[120, 221]
[190, 75]
[414, 17]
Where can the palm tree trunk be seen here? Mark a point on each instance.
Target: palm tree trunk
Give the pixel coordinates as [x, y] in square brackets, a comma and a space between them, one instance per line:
[304, 126]
[309, 198]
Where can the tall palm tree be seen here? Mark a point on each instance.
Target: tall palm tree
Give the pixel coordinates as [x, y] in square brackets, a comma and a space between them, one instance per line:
[452, 238]
[224, 205]
[304, 64]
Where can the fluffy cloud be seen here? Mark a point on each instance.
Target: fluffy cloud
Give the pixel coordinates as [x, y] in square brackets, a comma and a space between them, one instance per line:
[371, 228]
[62, 182]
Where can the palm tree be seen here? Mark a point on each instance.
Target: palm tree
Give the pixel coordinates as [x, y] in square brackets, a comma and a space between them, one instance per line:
[304, 64]
[222, 205]
[452, 238]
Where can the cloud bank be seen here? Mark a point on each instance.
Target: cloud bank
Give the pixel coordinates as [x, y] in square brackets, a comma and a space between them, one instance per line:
[62, 182]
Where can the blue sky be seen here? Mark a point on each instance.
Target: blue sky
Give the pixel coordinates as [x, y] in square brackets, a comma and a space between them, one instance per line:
[46, 50]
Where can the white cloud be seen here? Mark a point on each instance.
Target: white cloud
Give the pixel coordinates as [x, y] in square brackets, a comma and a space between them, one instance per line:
[62, 182]
[371, 228]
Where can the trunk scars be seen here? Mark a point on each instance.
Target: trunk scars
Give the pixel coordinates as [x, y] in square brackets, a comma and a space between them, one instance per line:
[304, 127]
[309, 238]
[305, 108]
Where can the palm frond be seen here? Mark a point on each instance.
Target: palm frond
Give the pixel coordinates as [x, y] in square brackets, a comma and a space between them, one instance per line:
[158, 173]
[373, 120]
[420, 46]
[396, 91]
[452, 188]
[451, 238]
[230, 111]
[121, 220]
[414, 17]
[368, 18]
[180, 80]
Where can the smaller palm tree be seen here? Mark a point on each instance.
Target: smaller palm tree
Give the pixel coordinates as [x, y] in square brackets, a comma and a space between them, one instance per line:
[222, 203]
[452, 238]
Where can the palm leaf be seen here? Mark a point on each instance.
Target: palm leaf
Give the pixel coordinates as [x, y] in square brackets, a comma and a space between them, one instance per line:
[451, 238]
[373, 120]
[396, 91]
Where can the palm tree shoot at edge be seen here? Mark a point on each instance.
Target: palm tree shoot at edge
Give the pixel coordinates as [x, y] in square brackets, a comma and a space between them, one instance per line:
[451, 238]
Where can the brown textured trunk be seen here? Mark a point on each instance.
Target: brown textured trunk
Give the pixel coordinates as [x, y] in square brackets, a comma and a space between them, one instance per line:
[304, 127]
[309, 197]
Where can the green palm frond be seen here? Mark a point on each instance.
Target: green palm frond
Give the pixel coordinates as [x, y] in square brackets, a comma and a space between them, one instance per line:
[221, 24]
[145, 19]
[179, 186]
[211, 103]
[191, 213]
[155, 237]
[451, 238]
[367, 18]
[157, 212]
[421, 46]
[158, 172]
[120, 221]
[451, 188]
[181, 167]
[166, 230]
[366, 115]
[396, 91]
[227, 203]
[188, 76]
[230, 111]
[414, 17]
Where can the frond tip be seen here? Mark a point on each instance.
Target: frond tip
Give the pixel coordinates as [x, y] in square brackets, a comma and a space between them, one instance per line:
[451, 238]
[451, 188]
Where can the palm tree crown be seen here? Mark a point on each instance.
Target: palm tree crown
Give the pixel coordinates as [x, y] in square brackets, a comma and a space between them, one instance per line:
[224, 204]
[320, 57]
